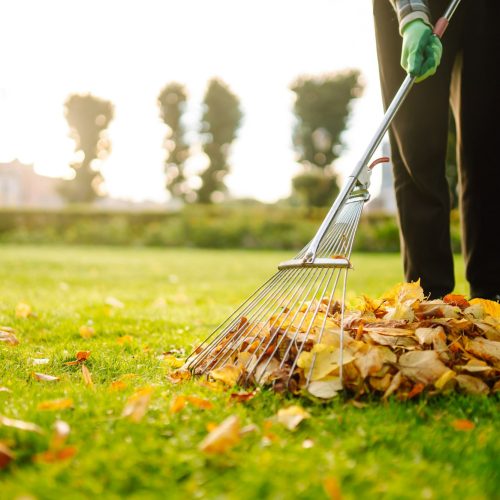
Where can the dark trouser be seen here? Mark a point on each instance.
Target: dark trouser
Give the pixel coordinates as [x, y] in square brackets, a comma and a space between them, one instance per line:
[469, 79]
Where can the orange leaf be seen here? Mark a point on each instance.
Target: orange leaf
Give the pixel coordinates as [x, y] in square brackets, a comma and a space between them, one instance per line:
[118, 385]
[463, 425]
[223, 437]
[126, 339]
[51, 456]
[456, 300]
[81, 356]
[204, 404]
[55, 404]
[177, 404]
[417, 389]
[332, 488]
[87, 377]
[137, 404]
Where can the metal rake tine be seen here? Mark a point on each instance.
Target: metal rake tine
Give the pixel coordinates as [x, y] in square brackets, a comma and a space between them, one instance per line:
[280, 317]
[235, 316]
[283, 319]
[254, 315]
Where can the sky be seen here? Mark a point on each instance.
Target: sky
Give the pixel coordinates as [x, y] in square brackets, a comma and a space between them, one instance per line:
[126, 51]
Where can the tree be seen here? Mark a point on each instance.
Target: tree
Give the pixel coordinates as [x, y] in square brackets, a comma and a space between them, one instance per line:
[172, 103]
[88, 118]
[322, 107]
[220, 122]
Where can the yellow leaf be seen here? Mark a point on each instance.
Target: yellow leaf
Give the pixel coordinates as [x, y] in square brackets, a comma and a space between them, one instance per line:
[86, 331]
[137, 404]
[23, 310]
[444, 379]
[490, 307]
[223, 437]
[326, 388]
[55, 404]
[172, 361]
[323, 358]
[292, 416]
[228, 374]
[405, 292]
[126, 339]
[332, 488]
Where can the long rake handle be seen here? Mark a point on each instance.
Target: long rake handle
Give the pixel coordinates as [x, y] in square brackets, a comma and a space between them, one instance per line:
[397, 101]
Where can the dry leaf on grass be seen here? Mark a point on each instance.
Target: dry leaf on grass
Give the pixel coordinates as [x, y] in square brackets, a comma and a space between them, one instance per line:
[81, 357]
[44, 377]
[137, 404]
[23, 310]
[243, 396]
[332, 488]
[223, 437]
[118, 385]
[292, 416]
[463, 425]
[55, 404]
[86, 331]
[7, 336]
[228, 374]
[6, 456]
[20, 424]
[422, 366]
[87, 377]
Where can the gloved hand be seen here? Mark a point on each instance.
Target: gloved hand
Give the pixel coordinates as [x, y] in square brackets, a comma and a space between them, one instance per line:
[421, 53]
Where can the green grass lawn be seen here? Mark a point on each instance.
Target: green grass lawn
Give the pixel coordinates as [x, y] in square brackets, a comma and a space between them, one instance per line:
[172, 298]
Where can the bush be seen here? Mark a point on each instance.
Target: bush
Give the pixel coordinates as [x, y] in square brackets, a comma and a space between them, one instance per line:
[217, 226]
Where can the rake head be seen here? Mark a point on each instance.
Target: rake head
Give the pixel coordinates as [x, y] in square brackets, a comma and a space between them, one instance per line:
[274, 337]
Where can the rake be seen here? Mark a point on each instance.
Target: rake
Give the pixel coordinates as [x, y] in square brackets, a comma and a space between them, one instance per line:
[304, 301]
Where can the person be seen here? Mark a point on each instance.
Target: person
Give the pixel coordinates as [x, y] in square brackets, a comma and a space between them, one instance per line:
[465, 63]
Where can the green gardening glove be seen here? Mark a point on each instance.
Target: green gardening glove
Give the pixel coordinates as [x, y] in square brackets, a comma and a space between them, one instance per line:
[421, 53]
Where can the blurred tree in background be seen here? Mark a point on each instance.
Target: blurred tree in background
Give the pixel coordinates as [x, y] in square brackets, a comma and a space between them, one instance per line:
[172, 103]
[220, 122]
[88, 118]
[322, 106]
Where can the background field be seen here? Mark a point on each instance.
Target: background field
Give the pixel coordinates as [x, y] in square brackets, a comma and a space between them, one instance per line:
[171, 298]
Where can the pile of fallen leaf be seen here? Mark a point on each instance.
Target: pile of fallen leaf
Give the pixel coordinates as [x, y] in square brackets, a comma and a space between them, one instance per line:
[400, 344]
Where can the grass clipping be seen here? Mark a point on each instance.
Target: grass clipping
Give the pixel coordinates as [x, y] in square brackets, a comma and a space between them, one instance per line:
[400, 344]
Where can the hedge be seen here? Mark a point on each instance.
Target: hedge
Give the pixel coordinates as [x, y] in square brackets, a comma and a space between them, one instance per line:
[217, 226]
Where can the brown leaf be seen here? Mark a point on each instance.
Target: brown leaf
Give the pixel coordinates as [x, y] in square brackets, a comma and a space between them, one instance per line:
[43, 377]
[374, 360]
[20, 424]
[87, 377]
[489, 350]
[422, 366]
[6, 456]
[472, 385]
[178, 376]
[55, 404]
[223, 437]
[463, 425]
[7, 336]
[242, 396]
[137, 404]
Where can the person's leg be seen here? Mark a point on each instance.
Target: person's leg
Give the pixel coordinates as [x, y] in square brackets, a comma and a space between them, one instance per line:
[476, 102]
[419, 141]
